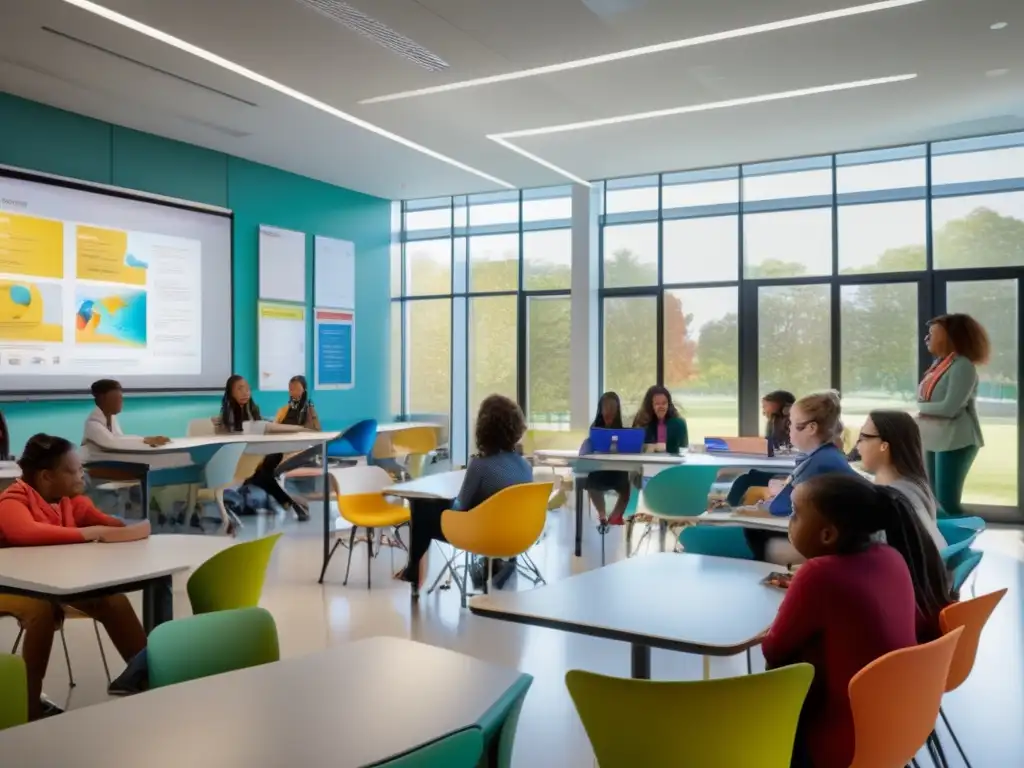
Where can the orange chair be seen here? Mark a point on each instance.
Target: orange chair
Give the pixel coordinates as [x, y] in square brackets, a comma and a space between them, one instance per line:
[971, 615]
[895, 701]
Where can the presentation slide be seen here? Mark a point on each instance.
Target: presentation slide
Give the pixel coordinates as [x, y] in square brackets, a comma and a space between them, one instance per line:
[97, 284]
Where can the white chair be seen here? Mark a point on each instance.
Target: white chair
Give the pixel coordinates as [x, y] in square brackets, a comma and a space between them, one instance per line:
[219, 474]
[201, 428]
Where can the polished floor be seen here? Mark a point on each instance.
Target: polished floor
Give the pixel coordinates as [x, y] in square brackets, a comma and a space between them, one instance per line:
[988, 711]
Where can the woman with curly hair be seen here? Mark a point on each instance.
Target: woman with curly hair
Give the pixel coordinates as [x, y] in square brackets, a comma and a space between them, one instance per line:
[664, 429]
[499, 427]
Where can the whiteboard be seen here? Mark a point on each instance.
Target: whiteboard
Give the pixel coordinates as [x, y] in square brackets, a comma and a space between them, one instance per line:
[282, 264]
[282, 343]
[335, 275]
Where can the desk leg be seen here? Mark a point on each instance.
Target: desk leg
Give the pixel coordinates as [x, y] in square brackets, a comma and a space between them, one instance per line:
[663, 533]
[640, 661]
[327, 511]
[579, 517]
[157, 603]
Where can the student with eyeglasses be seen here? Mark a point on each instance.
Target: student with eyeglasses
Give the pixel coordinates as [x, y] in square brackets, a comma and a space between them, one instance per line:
[814, 426]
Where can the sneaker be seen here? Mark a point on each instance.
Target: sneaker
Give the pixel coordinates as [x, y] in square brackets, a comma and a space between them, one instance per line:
[134, 679]
[48, 708]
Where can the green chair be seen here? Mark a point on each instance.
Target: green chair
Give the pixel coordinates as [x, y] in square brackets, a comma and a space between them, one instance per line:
[13, 691]
[720, 541]
[232, 578]
[677, 492]
[733, 722]
[210, 644]
[499, 723]
[462, 749]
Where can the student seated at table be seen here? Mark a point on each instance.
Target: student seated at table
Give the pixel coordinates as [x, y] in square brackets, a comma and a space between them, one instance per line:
[814, 420]
[609, 416]
[890, 449]
[665, 429]
[499, 427]
[854, 600]
[103, 432]
[238, 407]
[752, 486]
[47, 506]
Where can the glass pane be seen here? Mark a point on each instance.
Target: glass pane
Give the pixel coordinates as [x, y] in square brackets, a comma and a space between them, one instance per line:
[788, 243]
[994, 304]
[494, 208]
[631, 195]
[428, 265]
[878, 169]
[492, 352]
[780, 186]
[396, 269]
[1005, 163]
[630, 255]
[547, 259]
[428, 355]
[396, 359]
[630, 349]
[494, 263]
[700, 250]
[437, 218]
[794, 338]
[880, 336]
[978, 231]
[702, 358]
[547, 204]
[547, 377]
[883, 237]
[697, 188]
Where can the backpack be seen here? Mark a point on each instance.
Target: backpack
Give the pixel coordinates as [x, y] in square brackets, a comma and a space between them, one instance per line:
[246, 500]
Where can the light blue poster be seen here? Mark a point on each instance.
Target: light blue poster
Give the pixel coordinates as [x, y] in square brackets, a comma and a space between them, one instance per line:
[335, 358]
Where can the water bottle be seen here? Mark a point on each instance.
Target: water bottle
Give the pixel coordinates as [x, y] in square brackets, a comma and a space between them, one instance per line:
[614, 448]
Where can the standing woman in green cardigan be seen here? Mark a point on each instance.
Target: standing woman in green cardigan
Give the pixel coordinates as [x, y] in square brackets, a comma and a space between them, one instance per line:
[665, 429]
[946, 399]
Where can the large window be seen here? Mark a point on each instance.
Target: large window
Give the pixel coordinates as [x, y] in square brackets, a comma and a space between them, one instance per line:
[547, 375]
[630, 351]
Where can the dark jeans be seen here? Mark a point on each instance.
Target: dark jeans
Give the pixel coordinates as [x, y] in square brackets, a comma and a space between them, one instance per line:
[265, 476]
[424, 527]
[947, 471]
[755, 478]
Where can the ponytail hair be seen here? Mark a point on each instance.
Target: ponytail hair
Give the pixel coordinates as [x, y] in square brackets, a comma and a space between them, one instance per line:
[859, 509]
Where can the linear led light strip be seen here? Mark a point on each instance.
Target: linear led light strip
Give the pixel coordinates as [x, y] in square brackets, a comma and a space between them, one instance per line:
[213, 58]
[673, 45]
[503, 138]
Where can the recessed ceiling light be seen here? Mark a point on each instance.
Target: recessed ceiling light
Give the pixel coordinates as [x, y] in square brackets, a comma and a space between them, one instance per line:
[673, 45]
[503, 138]
[238, 69]
[996, 72]
[999, 25]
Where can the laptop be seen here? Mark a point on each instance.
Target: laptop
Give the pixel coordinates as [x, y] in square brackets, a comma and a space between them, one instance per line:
[625, 440]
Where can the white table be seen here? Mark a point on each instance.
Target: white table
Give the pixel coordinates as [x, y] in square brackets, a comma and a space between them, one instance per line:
[652, 463]
[718, 606]
[773, 523]
[69, 572]
[326, 710]
[443, 485]
[9, 472]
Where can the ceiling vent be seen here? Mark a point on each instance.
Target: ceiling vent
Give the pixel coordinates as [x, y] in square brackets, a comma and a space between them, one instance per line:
[381, 34]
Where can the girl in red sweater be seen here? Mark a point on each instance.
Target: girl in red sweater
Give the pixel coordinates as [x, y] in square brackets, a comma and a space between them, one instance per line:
[855, 600]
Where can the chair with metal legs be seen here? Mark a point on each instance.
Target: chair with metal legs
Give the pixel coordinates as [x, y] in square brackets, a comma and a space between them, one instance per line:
[71, 613]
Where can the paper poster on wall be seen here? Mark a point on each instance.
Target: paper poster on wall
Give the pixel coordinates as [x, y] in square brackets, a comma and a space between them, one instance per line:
[282, 264]
[282, 344]
[334, 359]
[335, 275]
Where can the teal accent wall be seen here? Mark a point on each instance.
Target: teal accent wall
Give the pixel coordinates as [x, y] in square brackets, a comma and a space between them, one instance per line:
[40, 138]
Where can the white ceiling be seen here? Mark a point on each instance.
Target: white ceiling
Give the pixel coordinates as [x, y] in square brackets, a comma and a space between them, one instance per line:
[947, 43]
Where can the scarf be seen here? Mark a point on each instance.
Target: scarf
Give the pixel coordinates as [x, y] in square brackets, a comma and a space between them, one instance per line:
[932, 376]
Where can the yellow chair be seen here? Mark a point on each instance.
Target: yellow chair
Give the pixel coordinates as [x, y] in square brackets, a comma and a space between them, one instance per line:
[505, 525]
[415, 444]
[361, 503]
[233, 578]
[733, 722]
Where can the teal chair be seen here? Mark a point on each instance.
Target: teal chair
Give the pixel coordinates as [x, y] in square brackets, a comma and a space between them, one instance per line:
[677, 492]
[210, 644]
[720, 541]
[499, 724]
[13, 691]
[462, 749]
[958, 539]
[962, 566]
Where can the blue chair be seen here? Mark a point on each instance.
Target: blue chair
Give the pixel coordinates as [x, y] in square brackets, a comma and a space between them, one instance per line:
[720, 541]
[677, 492]
[355, 443]
[963, 565]
[958, 538]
